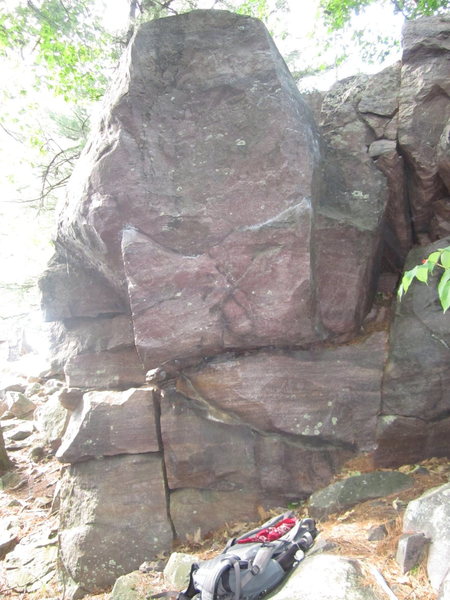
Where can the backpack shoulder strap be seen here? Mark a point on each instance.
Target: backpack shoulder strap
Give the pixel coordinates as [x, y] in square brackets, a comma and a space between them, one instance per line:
[212, 580]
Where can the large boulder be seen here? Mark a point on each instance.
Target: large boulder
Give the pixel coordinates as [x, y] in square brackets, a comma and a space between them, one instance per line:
[213, 236]
[113, 518]
[206, 131]
[430, 515]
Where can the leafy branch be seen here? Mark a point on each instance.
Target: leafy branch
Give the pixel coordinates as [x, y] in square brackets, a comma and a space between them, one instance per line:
[338, 13]
[439, 259]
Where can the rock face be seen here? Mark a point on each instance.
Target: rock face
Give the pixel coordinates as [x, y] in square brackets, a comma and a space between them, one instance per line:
[184, 180]
[337, 402]
[217, 235]
[416, 400]
[424, 108]
[106, 504]
[111, 423]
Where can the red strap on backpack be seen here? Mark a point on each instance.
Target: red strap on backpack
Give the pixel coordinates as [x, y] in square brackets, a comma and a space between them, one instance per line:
[270, 533]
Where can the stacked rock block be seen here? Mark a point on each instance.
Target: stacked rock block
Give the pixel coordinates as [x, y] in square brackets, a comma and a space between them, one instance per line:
[219, 236]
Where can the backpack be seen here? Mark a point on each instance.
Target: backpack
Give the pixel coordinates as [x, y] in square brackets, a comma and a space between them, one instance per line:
[254, 563]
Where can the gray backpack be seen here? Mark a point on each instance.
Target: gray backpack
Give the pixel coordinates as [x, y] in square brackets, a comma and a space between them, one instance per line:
[253, 564]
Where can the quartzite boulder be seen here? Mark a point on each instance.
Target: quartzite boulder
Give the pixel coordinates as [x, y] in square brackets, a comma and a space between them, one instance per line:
[211, 233]
[195, 196]
[113, 518]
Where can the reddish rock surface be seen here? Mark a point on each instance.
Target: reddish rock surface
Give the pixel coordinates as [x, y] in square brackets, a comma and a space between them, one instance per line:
[215, 233]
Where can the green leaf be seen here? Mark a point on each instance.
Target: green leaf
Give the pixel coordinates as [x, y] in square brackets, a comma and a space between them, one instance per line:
[445, 257]
[406, 281]
[432, 260]
[434, 257]
[444, 290]
[422, 273]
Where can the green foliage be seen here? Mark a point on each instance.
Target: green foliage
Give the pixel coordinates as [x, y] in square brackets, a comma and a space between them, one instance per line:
[440, 260]
[338, 13]
[69, 49]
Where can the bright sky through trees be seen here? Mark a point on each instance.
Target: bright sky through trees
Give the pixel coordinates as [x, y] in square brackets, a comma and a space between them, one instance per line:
[300, 32]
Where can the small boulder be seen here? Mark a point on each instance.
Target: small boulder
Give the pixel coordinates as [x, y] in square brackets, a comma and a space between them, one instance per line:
[33, 389]
[16, 404]
[70, 398]
[12, 481]
[51, 419]
[379, 147]
[411, 550]
[430, 514]
[377, 533]
[177, 570]
[52, 385]
[13, 387]
[359, 488]
[21, 431]
[125, 587]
